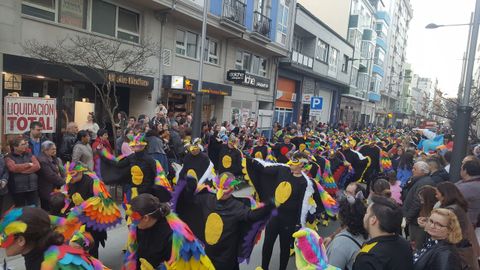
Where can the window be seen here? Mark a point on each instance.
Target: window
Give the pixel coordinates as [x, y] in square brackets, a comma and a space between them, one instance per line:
[211, 51]
[322, 51]
[104, 21]
[345, 63]
[186, 43]
[379, 57]
[253, 64]
[297, 44]
[333, 61]
[282, 27]
[70, 12]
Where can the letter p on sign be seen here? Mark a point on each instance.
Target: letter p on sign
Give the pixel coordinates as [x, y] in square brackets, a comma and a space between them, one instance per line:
[316, 103]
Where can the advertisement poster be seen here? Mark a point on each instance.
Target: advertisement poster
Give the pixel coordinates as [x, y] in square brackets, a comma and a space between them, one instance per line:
[21, 111]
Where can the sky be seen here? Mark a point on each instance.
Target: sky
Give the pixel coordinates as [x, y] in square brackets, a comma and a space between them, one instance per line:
[437, 53]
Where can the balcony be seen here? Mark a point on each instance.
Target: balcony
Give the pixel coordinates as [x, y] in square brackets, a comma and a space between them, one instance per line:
[302, 60]
[261, 27]
[233, 15]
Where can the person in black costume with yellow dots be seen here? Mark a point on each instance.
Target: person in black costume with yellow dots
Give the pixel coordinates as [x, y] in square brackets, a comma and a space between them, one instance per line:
[282, 149]
[230, 158]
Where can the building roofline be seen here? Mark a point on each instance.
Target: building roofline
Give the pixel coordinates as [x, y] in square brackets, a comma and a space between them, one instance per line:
[299, 6]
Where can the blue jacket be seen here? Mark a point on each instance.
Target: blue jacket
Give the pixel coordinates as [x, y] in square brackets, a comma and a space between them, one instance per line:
[403, 175]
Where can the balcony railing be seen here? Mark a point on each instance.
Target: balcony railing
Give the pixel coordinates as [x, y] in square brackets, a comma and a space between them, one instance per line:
[234, 10]
[301, 59]
[261, 24]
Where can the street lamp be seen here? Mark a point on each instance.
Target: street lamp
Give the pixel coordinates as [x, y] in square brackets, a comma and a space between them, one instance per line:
[435, 26]
[464, 110]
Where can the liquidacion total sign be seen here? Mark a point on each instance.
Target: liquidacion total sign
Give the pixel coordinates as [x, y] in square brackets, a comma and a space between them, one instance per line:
[21, 111]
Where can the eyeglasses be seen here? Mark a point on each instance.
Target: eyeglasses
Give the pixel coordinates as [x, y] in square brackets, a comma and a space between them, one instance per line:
[436, 224]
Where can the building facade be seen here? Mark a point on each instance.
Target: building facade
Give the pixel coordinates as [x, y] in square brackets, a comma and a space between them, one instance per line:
[317, 66]
[241, 35]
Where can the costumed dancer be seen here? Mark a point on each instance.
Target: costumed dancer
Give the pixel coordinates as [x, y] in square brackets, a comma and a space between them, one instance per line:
[294, 194]
[158, 239]
[230, 158]
[359, 162]
[91, 203]
[228, 226]
[380, 162]
[27, 231]
[310, 253]
[262, 150]
[281, 149]
[139, 172]
[196, 163]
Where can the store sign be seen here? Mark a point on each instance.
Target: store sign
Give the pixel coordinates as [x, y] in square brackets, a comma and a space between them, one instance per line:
[21, 111]
[178, 82]
[306, 98]
[241, 77]
[129, 80]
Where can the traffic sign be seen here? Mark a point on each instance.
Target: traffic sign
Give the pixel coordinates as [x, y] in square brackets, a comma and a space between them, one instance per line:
[316, 103]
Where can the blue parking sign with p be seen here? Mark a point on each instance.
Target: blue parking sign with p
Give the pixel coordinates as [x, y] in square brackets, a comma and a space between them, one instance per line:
[316, 103]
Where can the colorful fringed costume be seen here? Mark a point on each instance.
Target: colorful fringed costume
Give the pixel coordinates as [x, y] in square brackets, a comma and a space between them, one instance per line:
[262, 151]
[310, 253]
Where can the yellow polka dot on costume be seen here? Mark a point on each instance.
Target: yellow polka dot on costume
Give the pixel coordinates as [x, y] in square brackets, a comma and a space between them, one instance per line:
[227, 162]
[192, 173]
[283, 192]
[259, 155]
[302, 147]
[137, 175]
[213, 228]
[77, 198]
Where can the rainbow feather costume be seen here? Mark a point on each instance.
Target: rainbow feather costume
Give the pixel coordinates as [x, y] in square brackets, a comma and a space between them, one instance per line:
[161, 177]
[385, 162]
[10, 226]
[99, 212]
[326, 178]
[66, 226]
[310, 253]
[329, 203]
[69, 258]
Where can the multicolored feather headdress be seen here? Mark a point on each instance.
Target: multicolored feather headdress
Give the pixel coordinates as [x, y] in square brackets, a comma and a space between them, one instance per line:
[310, 253]
[71, 169]
[195, 145]
[136, 140]
[224, 184]
[11, 226]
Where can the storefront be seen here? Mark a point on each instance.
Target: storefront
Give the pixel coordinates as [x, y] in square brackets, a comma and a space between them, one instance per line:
[179, 95]
[75, 96]
[350, 110]
[285, 101]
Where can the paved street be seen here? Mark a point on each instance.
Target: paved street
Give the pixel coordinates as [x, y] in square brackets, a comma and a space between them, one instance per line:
[112, 255]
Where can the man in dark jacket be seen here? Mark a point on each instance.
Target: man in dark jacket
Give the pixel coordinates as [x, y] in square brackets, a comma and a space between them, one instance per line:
[176, 141]
[68, 142]
[411, 203]
[386, 250]
[437, 171]
[49, 176]
[3, 182]
[22, 167]
[35, 137]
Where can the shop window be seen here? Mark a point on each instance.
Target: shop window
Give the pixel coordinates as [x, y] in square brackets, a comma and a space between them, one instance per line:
[211, 51]
[251, 63]
[186, 43]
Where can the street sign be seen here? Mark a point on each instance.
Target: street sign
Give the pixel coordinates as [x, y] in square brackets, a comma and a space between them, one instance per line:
[316, 103]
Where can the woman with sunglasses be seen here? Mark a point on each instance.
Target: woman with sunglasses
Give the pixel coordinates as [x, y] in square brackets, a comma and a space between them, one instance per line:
[451, 198]
[439, 251]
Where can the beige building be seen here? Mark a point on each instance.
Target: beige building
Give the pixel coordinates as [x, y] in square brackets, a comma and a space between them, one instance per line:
[334, 13]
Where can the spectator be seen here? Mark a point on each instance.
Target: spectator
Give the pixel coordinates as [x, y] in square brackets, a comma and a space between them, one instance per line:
[155, 146]
[386, 250]
[22, 167]
[49, 175]
[82, 151]
[68, 142]
[447, 157]
[91, 126]
[3, 182]
[100, 142]
[344, 247]
[404, 169]
[428, 200]
[122, 121]
[437, 171]
[125, 149]
[175, 141]
[451, 198]
[132, 121]
[469, 186]
[411, 202]
[439, 251]
[159, 118]
[395, 187]
[381, 187]
[35, 137]
[353, 188]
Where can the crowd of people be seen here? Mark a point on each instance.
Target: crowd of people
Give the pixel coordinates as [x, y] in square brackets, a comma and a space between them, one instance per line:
[389, 189]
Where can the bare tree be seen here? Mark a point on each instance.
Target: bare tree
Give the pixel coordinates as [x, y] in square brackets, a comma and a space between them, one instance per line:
[95, 60]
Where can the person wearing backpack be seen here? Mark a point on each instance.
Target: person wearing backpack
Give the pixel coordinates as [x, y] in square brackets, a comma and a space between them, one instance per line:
[341, 251]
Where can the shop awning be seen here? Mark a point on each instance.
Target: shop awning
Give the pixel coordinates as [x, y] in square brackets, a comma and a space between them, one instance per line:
[35, 67]
[191, 86]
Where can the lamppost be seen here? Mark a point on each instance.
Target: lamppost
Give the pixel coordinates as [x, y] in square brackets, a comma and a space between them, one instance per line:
[197, 112]
[464, 110]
